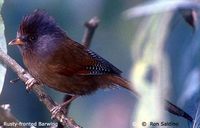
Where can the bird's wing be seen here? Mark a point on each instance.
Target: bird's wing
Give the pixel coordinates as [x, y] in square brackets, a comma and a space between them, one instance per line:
[96, 65]
[74, 59]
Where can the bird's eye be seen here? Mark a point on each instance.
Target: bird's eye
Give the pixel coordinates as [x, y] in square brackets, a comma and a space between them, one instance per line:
[32, 38]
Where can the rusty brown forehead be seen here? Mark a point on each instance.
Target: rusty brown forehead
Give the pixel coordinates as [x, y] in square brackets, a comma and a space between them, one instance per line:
[26, 27]
[36, 21]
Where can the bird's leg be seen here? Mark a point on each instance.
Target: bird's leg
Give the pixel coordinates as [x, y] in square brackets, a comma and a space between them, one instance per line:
[60, 107]
[29, 83]
[65, 99]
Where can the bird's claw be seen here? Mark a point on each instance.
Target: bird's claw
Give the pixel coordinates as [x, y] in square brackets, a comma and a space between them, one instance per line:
[29, 83]
[61, 107]
[55, 110]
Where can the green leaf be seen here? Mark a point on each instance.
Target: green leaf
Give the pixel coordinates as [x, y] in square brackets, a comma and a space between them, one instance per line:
[3, 46]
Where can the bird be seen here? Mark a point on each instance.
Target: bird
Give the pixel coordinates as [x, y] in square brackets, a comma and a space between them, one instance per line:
[54, 59]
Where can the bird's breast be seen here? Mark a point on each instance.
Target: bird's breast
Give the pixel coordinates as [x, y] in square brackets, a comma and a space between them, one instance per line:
[35, 65]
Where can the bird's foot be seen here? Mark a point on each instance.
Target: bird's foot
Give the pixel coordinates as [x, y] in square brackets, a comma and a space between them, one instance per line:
[61, 107]
[55, 110]
[29, 83]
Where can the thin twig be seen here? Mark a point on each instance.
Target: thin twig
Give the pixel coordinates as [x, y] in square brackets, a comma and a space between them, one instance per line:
[91, 26]
[37, 89]
[14, 80]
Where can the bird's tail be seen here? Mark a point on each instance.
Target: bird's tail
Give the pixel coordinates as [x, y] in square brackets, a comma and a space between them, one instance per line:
[123, 83]
[169, 106]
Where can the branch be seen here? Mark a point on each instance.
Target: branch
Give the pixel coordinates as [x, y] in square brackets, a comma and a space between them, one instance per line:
[91, 26]
[37, 89]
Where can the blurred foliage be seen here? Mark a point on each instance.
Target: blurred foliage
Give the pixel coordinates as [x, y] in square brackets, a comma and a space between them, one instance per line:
[3, 46]
[166, 56]
[6, 115]
[151, 71]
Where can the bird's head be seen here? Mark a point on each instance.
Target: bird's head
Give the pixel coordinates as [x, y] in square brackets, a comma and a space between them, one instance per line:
[35, 29]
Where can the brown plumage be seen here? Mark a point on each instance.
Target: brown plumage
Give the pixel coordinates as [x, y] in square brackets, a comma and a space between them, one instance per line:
[61, 63]
[55, 60]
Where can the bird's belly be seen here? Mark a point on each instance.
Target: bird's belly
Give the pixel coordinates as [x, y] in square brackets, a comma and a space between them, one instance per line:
[74, 84]
[77, 85]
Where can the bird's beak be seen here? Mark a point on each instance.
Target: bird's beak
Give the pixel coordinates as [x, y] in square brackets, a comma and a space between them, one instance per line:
[16, 42]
